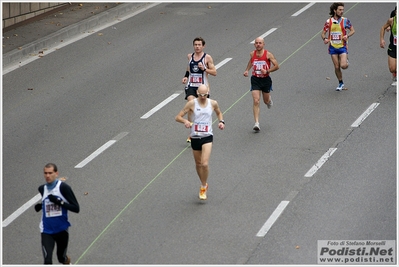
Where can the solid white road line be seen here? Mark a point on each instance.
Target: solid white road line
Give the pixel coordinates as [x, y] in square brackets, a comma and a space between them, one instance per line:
[21, 210]
[273, 218]
[320, 162]
[265, 34]
[365, 115]
[303, 9]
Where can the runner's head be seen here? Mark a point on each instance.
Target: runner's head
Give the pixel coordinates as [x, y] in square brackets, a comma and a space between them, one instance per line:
[199, 44]
[202, 91]
[50, 172]
[259, 43]
[200, 39]
[337, 9]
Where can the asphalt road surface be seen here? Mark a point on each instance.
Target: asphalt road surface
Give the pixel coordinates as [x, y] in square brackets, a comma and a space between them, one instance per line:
[311, 174]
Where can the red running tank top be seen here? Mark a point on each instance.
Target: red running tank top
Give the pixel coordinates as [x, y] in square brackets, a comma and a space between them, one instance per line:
[259, 63]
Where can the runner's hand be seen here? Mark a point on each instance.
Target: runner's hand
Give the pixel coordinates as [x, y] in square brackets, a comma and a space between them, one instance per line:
[38, 207]
[54, 199]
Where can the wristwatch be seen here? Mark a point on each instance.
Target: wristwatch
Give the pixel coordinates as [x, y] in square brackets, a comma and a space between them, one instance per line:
[221, 121]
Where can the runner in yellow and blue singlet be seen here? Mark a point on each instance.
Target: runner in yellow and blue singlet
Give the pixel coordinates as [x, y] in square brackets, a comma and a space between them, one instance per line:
[337, 27]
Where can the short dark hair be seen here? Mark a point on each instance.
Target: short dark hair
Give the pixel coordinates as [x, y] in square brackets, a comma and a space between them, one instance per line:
[199, 39]
[49, 165]
[334, 7]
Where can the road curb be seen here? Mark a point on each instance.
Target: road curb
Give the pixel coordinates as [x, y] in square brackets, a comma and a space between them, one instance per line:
[69, 32]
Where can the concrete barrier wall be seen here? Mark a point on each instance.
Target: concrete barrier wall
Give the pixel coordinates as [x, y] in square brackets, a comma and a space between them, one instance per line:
[14, 13]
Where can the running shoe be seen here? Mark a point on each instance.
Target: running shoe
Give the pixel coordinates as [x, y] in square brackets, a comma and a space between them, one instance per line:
[256, 127]
[68, 260]
[189, 140]
[340, 87]
[202, 192]
[394, 83]
[270, 104]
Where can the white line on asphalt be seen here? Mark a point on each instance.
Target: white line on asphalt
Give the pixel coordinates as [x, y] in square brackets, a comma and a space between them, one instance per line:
[365, 115]
[95, 154]
[320, 162]
[303, 9]
[21, 210]
[36, 198]
[101, 149]
[265, 34]
[159, 106]
[170, 98]
[223, 62]
[273, 218]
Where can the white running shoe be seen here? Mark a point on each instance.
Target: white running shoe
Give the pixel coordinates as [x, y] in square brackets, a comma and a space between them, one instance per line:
[256, 127]
[270, 104]
[340, 87]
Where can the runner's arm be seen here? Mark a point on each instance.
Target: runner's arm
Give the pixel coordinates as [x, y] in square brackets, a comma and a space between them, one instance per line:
[273, 60]
[185, 79]
[210, 67]
[351, 32]
[179, 117]
[326, 27]
[382, 32]
[38, 206]
[219, 114]
[249, 65]
[67, 192]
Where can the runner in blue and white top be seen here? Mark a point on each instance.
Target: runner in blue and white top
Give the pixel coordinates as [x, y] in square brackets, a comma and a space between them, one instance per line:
[57, 199]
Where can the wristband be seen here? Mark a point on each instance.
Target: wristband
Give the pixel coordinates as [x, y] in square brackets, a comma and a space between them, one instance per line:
[221, 121]
[187, 74]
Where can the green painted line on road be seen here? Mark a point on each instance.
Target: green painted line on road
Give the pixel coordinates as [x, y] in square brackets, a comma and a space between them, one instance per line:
[131, 201]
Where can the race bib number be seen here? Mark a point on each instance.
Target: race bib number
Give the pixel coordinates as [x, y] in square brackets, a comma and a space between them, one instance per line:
[201, 127]
[336, 37]
[195, 79]
[258, 66]
[52, 210]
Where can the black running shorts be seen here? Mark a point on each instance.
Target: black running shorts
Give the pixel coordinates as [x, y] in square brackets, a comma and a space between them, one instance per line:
[392, 51]
[263, 84]
[196, 143]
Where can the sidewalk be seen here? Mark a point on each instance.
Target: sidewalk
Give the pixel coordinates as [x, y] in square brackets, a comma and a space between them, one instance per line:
[26, 40]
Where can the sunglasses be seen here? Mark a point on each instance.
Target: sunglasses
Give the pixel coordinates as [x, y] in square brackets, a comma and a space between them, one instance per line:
[202, 94]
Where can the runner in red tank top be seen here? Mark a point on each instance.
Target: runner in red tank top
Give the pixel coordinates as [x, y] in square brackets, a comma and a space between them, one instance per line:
[262, 63]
